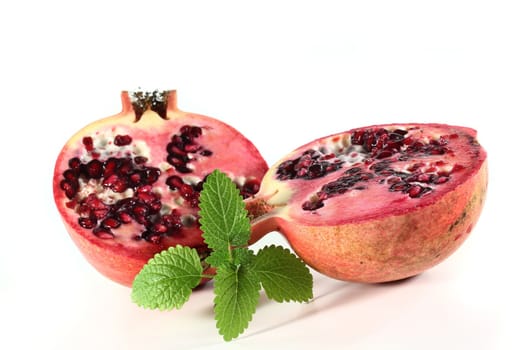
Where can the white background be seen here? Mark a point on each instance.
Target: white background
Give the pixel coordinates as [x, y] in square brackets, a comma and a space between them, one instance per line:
[283, 73]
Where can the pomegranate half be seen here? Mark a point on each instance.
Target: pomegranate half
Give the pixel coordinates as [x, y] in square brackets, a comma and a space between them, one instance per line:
[127, 186]
[378, 203]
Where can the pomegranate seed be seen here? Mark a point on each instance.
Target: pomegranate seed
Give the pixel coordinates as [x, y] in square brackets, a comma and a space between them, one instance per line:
[122, 140]
[186, 129]
[74, 164]
[124, 217]
[119, 186]
[151, 237]
[140, 210]
[94, 169]
[441, 180]
[103, 233]
[151, 175]
[194, 202]
[312, 205]
[110, 180]
[384, 154]
[99, 213]
[110, 223]
[415, 166]
[159, 228]
[146, 197]
[126, 166]
[175, 148]
[88, 143]
[183, 169]
[393, 180]
[177, 142]
[250, 187]
[110, 166]
[195, 131]
[155, 206]
[140, 160]
[84, 209]
[88, 223]
[423, 178]
[437, 151]
[175, 160]
[154, 238]
[186, 191]
[70, 175]
[174, 182]
[414, 191]
[400, 132]
[135, 178]
[69, 188]
[144, 189]
[302, 172]
[400, 186]
[192, 148]
[357, 137]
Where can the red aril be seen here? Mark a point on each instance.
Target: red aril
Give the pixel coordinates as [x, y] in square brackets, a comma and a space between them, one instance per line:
[127, 186]
[378, 203]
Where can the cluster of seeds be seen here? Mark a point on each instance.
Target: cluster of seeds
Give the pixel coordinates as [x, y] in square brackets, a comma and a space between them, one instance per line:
[144, 208]
[117, 174]
[119, 190]
[183, 148]
[312, 164]
[378, 150]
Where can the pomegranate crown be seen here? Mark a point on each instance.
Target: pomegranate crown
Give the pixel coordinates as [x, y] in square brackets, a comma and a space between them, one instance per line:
[143, 100]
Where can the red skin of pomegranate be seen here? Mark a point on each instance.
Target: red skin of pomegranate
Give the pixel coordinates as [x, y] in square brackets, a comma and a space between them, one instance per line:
[378, 233]
[121, 256]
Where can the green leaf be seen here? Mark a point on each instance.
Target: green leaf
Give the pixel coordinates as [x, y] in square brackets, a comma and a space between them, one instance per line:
[167, 280]
[223, 217]
[217, 258]
[236, 297]
[283, 275]
[242, 256]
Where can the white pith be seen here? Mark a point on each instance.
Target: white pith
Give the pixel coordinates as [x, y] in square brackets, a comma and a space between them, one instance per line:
[103, 144]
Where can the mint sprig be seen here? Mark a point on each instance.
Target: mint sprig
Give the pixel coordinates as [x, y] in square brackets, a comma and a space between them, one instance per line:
[167, 280]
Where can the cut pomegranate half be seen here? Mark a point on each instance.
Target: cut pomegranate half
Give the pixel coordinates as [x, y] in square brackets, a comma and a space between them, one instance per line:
[128, 186]
[378, 203]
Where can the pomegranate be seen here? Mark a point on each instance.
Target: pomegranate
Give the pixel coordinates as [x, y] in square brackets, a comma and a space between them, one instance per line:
[375, 204]
[128, 186]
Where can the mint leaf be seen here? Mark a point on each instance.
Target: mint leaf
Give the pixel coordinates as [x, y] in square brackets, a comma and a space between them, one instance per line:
[236, 297]
[217, 258]
[242, 256]
[167, 280]
[283, 275]
[223, 216]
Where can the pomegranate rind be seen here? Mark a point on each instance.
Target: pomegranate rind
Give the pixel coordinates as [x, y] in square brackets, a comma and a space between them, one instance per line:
[382, 244]
[120, 258]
